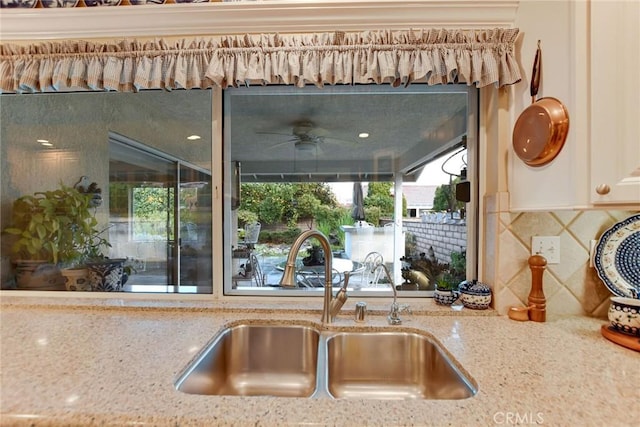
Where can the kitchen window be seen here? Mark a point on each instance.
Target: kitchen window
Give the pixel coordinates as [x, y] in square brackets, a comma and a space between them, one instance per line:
[279, 140]
[149, 156]
[264, 143]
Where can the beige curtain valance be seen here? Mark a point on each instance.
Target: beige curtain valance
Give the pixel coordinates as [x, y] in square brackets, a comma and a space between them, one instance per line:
[474, 57]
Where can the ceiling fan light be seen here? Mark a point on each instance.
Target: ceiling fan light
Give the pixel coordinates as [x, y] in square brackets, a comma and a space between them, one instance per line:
[306, 146]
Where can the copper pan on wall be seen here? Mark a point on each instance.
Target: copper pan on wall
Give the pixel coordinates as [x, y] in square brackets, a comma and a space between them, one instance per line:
[541, 129]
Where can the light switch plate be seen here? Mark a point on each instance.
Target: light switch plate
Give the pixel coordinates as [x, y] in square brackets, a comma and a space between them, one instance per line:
[548, 247]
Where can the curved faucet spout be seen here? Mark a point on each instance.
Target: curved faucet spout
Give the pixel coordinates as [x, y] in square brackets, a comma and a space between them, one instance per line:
[288, 277]
[394, 312]
[389, 279]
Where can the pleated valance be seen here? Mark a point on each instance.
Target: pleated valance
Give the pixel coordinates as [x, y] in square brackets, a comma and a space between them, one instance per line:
[435, 56]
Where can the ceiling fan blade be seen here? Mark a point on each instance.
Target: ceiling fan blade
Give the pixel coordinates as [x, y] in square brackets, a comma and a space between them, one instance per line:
[279, 144]
[320, 132]
[272, 133]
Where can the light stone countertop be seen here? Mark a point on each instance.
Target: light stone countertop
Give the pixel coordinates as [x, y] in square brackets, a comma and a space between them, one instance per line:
[113, 362]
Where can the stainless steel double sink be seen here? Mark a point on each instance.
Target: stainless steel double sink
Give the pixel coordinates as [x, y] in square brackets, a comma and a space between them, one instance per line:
[301, 360]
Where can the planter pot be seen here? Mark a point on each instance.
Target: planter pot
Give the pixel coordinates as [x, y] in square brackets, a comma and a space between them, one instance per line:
[445, 297]
[107, 275]
[76, 279]
[38, 275]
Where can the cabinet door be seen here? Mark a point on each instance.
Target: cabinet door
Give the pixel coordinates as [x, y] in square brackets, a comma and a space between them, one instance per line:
[615, 102]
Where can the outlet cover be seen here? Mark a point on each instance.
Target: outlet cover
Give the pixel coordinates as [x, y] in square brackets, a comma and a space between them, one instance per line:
[548, 247]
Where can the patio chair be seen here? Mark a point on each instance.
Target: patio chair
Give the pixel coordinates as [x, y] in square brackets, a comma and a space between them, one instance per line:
[316, 279]
[251, 234]
[370, 273]
[256, 270]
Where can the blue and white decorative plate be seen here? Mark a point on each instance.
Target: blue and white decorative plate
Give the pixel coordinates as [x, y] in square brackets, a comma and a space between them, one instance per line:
[617, 258]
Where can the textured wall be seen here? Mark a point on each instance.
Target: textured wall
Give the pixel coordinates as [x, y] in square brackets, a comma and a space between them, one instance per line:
[78, 124]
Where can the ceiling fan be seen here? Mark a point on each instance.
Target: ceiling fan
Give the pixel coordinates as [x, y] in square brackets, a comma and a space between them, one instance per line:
[305, 136]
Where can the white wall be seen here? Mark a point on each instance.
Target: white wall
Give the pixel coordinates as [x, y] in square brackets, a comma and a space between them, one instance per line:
[556, 24]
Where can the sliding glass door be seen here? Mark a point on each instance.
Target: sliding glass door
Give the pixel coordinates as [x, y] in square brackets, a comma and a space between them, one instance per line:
[159, 219]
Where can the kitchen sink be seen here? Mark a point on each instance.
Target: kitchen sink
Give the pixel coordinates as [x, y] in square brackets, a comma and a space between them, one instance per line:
[290, 360]
[392, 365]
[251, 360]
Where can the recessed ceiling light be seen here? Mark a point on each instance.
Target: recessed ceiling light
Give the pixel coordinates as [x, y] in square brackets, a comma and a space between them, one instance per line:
[194, 137]
[363, 135]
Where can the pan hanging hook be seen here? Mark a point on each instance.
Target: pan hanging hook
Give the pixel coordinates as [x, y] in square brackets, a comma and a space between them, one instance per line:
[537, 72]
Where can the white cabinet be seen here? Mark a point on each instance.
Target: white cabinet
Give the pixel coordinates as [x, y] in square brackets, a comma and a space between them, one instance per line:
[615, 102]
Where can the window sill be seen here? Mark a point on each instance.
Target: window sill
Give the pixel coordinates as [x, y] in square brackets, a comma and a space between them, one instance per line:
[294, 305]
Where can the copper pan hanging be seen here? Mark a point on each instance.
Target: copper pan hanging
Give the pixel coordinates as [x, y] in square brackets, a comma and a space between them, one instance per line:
[541, 129]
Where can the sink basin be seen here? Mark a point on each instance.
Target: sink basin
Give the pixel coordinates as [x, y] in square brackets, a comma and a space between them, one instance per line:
[392, 365]
[264, 359]
[250, 360]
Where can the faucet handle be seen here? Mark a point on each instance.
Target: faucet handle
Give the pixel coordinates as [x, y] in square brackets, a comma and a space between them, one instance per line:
[340, 298]
[404, 308]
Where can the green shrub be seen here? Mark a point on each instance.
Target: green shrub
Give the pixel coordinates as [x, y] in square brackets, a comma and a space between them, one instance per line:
[287, 236]
[372, 215]
[246, 217]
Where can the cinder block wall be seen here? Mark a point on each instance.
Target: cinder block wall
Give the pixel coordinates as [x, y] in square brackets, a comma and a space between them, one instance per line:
[444, 237]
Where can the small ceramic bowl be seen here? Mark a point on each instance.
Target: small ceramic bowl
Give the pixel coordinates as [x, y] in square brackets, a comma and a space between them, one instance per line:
[624, 315]
[475, 295]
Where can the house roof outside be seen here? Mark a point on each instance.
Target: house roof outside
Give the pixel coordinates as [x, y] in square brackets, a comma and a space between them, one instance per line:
[419, 196]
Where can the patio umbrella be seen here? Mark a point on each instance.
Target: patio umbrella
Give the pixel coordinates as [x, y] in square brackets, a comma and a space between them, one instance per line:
[358, 202]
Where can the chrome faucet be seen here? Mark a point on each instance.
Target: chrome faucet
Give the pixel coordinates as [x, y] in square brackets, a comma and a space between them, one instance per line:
[288, 277]
[394, 312]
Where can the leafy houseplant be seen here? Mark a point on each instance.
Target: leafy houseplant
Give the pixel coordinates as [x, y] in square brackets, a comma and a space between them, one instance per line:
[446, 292]
[55, 226]
[445, 283]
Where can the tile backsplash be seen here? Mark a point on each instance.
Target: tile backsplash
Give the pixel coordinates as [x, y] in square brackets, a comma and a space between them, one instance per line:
[570, 287]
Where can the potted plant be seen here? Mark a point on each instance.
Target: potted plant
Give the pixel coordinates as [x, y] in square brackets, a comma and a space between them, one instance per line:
[314, 257]
[77, 274]
[446, 292]
[105, 274]
[50, 228]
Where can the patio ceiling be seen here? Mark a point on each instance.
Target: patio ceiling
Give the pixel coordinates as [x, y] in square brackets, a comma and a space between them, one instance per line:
[282, 133]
